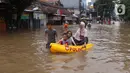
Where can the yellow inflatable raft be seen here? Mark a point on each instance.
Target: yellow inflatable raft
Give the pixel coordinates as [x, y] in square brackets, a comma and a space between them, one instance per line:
[57, 48]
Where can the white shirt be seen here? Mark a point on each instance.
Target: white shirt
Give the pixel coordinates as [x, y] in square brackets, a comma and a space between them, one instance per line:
[83, 32]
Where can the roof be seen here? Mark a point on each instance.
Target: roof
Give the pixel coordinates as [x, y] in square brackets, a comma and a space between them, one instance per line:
[44, 9]
[66, 12]
[48, 8]
[48, 0]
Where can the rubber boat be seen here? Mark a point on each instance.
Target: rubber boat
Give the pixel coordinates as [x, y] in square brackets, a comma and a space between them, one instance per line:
[57, 48]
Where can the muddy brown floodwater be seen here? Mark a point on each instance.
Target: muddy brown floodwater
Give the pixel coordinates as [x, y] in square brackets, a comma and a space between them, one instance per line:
[25, 52]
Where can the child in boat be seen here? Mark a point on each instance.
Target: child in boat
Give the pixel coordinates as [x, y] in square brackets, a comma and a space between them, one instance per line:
[51, 34]
[70, 38]
[64, 40]
[69, 34]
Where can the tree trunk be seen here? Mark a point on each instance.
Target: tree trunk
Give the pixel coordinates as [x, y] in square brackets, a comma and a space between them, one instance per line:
[19, 14]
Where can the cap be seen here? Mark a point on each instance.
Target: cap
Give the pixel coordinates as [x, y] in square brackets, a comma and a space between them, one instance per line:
[65, 25]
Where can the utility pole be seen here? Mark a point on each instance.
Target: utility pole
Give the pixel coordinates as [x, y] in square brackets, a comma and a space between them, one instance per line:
[80, 8]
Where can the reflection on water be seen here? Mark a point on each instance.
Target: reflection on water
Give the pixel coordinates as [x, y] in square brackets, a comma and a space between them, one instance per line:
[25, 52]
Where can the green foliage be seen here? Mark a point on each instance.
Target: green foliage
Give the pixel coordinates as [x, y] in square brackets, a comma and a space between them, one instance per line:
[104, 7]
[20, 5]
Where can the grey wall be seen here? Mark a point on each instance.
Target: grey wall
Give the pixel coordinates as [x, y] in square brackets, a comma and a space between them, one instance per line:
[70, 3]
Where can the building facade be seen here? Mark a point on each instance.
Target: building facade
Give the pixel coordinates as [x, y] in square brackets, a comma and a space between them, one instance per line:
[84, 4]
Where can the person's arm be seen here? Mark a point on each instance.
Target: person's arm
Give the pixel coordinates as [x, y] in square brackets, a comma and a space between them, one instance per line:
[76, 34]
[72, 41]
[59, 42]
[85, 38]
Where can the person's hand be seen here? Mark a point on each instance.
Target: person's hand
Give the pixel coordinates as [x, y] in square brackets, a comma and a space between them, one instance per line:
[58, 42]
[66, 46]
[84, 46]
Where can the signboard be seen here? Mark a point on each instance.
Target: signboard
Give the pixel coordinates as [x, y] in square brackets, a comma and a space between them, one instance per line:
[41, 16]
[56, 18]
[2, 24]
[25, 16]
[38, 15]
[120, 9]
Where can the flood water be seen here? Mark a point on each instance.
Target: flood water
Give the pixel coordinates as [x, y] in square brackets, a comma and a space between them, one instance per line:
[24, 52]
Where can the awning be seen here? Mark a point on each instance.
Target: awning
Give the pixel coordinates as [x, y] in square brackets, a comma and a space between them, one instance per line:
[74, 15]
[49, 10]
[44, 9]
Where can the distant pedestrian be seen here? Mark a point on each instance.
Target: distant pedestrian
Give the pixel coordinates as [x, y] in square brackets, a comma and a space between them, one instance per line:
[86, 23]
[89, 25]
[65, 27]
[51, 34]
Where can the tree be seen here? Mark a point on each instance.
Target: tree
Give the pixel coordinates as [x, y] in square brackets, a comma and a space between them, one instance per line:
[104, 7]
[20, 5]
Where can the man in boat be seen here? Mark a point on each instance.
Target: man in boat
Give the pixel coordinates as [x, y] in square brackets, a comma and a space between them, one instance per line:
[80, 37]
